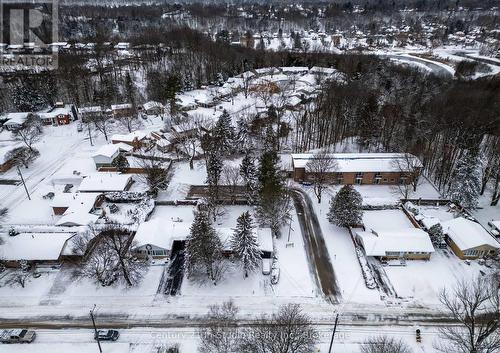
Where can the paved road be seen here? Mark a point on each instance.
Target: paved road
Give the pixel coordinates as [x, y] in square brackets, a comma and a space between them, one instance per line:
[317, 252]
[435, 68]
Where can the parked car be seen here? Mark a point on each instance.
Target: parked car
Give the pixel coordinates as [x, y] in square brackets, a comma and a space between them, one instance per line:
[266, 266]
[275, 275]
[17, 336]
[107, 335]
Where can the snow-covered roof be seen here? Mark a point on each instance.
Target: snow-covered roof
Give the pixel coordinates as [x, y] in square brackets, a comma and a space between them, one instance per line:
[495, 224]
[139, 135]
[467, 234]
[16, 118]
[322, 70]
[404, 240]
[110, 150]
[104, 182]
[152, 104]
[34, 246]
[362, 162]
[429, 222]
[294, 69]
[121, 106]
[66, 110]
[79, 207]
[161, 233]
[94, 109]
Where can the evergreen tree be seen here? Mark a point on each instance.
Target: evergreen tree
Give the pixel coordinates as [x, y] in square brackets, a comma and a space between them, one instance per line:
[465, 184]
[248, 173]
[214, 166]
[368, 122]
[274, 201]
[345, 207]
[436, 234]
[203, 248]
[120, 163]
[224, 134]
[244, 243]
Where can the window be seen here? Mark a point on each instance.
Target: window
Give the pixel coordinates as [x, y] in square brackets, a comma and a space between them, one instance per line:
[403, 180]
[359, 175]
[378, 175]
[340, 178]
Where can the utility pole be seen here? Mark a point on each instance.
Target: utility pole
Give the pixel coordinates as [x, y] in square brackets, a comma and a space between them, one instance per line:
[333, 333]
[95, 329]
[22, 179]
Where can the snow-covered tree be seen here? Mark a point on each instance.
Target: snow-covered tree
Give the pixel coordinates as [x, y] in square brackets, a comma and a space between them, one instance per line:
[436, 234]
[220, 334]
[244, 243]
[248, 172]
[224, 134]
[465, 184]
[384, 344]
[214, 165]
[120, 162]
[22, 156]
[274, 203]
[203, 249]
[345, 207]
[30, 131]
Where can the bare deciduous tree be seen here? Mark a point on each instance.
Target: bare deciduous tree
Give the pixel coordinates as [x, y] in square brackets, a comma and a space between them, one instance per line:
[101, 123]
[110, 258]
[475, 305]
[232, 178]
[22, 156]
[287, 331]
[220, 335]
[409, 168]
[321, 165]
[154, 171]
[384, 344]
[30, 131]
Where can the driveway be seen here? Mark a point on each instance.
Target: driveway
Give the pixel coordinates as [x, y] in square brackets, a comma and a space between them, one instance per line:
[317, 252]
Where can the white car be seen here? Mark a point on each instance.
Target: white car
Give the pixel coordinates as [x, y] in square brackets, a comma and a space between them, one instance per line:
[266, 266]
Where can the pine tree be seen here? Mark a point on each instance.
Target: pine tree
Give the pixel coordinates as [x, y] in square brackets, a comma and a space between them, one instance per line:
[248, 173]
[203, 248]
[273, 199]
[436, 234]
[224, 134]
[465, 184]
[214, 166]
[345, 207]
[120, 162]
[244, 243]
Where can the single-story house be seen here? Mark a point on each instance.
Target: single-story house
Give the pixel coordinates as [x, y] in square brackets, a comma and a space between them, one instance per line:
[89, 113]
[105, 156]
[15, 120]
[122, 46]
[409, 243]
[153, 108]
[468, 239]
[122, 110]
[77, 209]
[362, 168]
[34, 248]
[106, 182]
[135, 139]
[155, 238]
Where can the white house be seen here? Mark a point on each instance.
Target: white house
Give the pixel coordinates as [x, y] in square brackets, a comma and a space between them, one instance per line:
[105, 182]
[105, 155]
[33, 247]
[409, 243]
[153, 108]
[155, 238]
[77, 209]
[15, 120]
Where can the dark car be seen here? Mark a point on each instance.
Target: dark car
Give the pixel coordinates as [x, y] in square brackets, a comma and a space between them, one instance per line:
[107, 335]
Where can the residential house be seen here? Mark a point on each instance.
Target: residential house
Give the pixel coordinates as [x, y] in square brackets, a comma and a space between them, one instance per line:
[35, 248]
[15, 120]
[5, 162]
[363, 168]
[468, 239]
[409, 243]
[61, 114]
[72, 201]
[136, 139]
[155, 238]
[122, 110]
[89, 113]
[153, 108]
[106, 182]
[106, 155]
